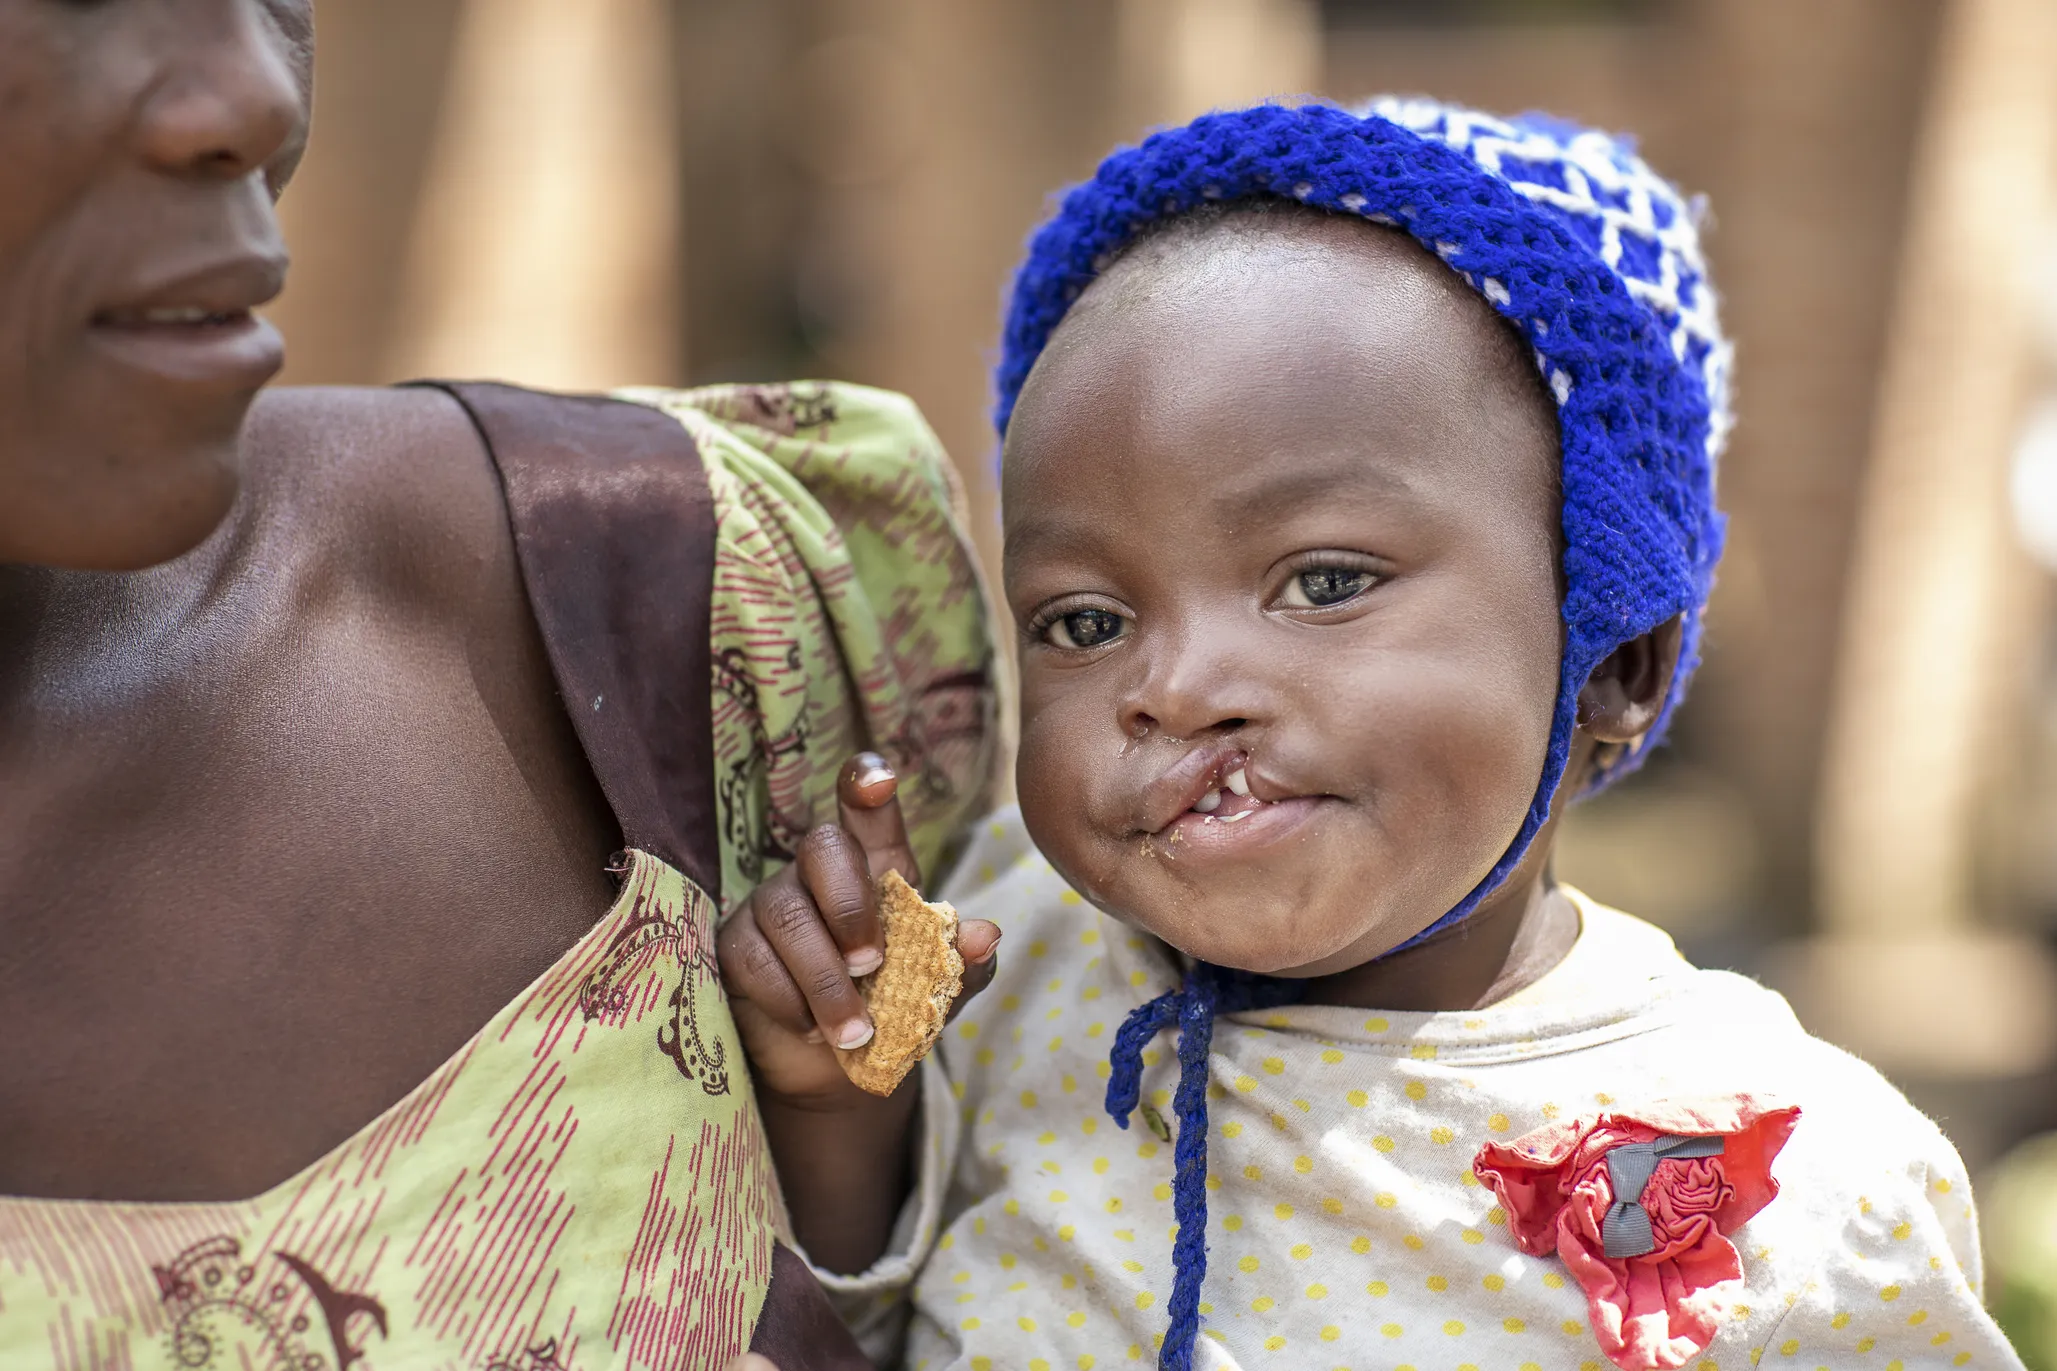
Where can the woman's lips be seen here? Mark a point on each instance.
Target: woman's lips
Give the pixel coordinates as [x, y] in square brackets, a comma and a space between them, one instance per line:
[197, 326]
[192, 345]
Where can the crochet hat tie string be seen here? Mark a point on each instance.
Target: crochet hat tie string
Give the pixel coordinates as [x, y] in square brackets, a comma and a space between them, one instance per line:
[1209, 990]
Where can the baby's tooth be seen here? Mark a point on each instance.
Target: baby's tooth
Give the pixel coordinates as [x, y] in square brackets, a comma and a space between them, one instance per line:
[1209, 802]
[1238, 782]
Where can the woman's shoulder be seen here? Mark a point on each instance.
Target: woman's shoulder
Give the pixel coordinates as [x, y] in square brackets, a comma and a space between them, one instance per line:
[338, 437]
[398, 479]
[390, 487]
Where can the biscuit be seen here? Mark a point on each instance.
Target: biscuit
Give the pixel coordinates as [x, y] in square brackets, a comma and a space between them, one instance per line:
[910, 994]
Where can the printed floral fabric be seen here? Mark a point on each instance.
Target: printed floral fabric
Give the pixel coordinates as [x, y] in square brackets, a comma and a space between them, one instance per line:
[585, 1185]
[848, 613]
[1662, 1308]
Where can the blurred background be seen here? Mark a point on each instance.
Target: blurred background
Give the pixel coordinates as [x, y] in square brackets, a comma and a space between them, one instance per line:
[1860, 805]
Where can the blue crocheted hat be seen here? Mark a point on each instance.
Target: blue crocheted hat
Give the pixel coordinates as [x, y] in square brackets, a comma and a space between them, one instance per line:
[1596, 260]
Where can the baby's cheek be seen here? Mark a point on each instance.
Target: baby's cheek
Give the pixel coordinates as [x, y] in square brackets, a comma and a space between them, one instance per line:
[1490, 731]
[1451, 764]
[1059, 795]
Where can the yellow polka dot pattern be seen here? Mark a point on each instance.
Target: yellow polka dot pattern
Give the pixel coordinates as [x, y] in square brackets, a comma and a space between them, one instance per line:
[1346, 1225]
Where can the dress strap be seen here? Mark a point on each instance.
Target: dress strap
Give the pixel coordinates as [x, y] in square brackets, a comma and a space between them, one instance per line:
[614, 530]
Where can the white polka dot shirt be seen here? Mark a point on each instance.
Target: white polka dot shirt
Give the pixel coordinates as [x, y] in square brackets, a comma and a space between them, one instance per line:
[1345, 1226]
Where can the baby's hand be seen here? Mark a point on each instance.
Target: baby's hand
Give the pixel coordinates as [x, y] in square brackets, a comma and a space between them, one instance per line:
[789, 958]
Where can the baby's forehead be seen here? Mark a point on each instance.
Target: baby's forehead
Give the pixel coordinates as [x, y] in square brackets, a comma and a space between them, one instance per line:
[1353, 284]
[1265, 380]
[1276, 335]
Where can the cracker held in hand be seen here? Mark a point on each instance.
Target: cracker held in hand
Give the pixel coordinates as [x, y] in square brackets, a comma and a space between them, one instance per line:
[910, 995]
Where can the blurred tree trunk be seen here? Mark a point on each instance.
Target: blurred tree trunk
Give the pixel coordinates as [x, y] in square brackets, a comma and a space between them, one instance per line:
[545, 244]
[1798, 120]
[860, 175]
[380, 71]
[740, 194]
[491, 190]
[1181, 58]
[1939, 625]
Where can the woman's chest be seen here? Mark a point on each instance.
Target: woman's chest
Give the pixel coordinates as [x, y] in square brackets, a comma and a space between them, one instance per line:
[251, 899]
[582, 1184]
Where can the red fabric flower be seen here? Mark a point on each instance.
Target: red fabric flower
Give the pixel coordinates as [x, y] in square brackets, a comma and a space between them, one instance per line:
[1661, 1309]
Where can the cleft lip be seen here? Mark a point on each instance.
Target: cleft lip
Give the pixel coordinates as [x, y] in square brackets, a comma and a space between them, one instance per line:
[1185, 783]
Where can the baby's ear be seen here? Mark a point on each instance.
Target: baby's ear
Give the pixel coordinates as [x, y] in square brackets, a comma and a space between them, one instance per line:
[1625, 694]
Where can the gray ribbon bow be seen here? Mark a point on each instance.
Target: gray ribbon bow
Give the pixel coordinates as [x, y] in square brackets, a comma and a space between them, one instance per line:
[1625, 1230]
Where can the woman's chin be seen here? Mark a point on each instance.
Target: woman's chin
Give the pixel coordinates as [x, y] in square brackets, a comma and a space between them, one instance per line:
[119, 531]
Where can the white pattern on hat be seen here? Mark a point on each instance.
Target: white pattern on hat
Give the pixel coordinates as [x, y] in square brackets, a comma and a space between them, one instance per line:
[1638, 223]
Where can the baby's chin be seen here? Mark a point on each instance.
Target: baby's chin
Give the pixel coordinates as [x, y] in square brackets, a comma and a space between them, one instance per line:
[1312, 908]
[1277, 938]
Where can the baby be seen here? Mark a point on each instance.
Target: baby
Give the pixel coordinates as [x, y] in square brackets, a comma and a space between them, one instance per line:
[1358, 488]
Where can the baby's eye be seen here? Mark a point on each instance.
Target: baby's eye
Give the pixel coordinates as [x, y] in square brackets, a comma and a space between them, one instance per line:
[1083, 628]
[1322, 586]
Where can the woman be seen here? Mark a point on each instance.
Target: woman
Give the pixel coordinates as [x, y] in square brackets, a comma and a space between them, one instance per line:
[323, 716]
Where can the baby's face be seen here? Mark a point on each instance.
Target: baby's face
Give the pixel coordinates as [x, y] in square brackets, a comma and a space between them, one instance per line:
[1281, 517]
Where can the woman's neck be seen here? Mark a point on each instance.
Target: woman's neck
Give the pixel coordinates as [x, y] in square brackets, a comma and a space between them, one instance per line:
[64, 630]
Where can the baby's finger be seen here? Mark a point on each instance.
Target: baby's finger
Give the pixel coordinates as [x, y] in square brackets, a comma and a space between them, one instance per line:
[786, 916]
[832, 868]
[978, 942]
[868, 803]
[751, 970]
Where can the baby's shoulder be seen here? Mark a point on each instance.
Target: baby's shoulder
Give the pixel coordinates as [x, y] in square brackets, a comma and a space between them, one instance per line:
[1874, 1234]
[1722, 1027]
[1002, 876]
[1866, 1179]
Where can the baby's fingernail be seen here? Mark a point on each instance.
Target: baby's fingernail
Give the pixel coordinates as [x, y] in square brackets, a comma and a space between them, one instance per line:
[864, 961]
[870, 769]
[986, 956]
[853, 1034]
[814, 1036]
